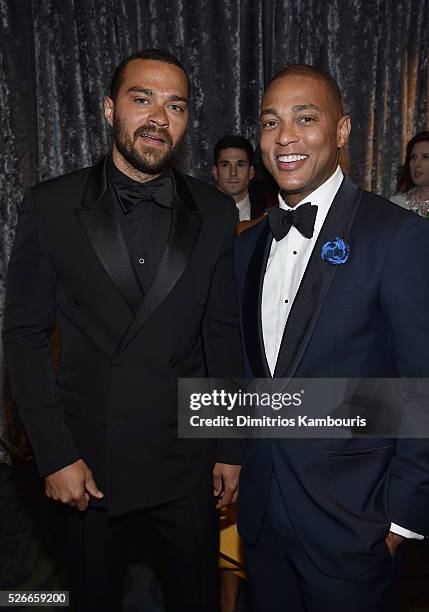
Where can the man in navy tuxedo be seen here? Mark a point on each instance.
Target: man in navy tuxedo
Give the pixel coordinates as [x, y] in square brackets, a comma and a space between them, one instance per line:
[322, 519]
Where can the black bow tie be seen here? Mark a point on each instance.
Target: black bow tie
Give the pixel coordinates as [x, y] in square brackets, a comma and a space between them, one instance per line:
[160, 191]
[302, 218]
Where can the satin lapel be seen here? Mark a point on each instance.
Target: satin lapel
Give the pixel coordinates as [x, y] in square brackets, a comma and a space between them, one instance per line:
[185, 228]
[252, 303]
[316, 282]
[97, 218]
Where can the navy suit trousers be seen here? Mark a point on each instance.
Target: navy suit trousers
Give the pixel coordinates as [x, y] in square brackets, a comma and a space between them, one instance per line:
[282, 578]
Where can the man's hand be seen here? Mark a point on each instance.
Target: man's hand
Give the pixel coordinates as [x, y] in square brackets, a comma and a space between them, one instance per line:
[393, 540]
[72, 485]
[225, 483]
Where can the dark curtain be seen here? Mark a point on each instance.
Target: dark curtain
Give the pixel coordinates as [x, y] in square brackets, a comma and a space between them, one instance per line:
[57, 57]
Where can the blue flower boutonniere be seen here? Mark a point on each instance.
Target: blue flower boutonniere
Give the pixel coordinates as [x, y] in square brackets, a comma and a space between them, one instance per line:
[335, 251]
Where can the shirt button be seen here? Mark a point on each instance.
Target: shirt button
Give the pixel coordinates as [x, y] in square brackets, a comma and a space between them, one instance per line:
[295, 252]
[286, 301]
[141, 260]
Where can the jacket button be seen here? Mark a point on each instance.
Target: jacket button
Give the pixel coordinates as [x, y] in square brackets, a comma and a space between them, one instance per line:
[116, 361]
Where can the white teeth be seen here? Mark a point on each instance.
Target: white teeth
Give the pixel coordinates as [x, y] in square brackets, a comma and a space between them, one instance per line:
[291, 158]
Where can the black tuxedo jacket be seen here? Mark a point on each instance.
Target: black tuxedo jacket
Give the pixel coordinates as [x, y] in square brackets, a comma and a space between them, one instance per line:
[114, 400]
[367, 318]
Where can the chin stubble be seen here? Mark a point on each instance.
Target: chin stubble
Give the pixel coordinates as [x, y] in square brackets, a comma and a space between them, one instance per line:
[146, 161]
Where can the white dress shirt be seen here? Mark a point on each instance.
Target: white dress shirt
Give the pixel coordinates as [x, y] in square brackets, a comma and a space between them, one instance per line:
[287, 262]
[286, 265]
[244, 208]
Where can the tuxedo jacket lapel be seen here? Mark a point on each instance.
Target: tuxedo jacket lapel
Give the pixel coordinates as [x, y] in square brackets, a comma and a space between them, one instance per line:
[185, 228]
[97, 218]
[252, 301]
[316, 282]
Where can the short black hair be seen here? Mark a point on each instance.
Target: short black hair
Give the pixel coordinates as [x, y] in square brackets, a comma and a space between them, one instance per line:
[318, 73]
[158, 55]
[233, 142]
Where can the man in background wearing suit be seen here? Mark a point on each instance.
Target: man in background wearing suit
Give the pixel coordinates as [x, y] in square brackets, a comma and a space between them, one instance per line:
[233, 171]
[322, 519]
[134, 261]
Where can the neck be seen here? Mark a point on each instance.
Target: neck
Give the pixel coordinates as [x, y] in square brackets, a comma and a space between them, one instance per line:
[292, 199]
[423, 191]
[124, 166]
[240, 196]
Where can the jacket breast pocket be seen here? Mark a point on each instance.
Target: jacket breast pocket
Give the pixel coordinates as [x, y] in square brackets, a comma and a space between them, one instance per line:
[357, 448]
[349, 297]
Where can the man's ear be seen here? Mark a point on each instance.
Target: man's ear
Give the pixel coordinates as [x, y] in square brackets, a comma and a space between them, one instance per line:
[109, 110]
[214, 173]
[344, 127]
[252, 172]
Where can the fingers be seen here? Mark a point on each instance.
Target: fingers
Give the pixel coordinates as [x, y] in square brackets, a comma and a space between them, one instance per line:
[74, 498]
[217, 484]
[220, 504]
[91, 487]
[72, 485]
[228, 494]
[225, 484]
[82, 502]
[226, 497]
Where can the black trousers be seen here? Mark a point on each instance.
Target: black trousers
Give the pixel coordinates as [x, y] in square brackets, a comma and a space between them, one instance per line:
[281, 577]
[180, 537]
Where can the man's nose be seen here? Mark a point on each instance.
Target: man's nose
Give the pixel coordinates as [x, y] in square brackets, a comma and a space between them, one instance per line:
[158, 115]
[287, 134]
[233, 170]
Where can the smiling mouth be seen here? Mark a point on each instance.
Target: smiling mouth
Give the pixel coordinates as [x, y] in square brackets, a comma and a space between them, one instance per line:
[290, 159]
[291, 162]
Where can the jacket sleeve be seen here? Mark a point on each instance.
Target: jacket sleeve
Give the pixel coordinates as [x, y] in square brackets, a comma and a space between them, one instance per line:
[221, 330]
[405, 301]
[28, 325]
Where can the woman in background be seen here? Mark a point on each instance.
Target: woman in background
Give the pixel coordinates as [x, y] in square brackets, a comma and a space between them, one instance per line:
[412, 190]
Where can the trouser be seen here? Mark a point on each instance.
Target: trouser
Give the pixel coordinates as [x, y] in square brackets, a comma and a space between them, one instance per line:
[180, 537]
[282, 578]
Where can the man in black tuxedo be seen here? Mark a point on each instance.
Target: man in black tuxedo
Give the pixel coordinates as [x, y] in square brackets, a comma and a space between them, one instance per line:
[133, 260]
[333, 285]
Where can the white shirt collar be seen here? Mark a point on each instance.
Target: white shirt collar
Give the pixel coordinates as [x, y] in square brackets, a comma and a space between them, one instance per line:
[322, 197]
[244, 208]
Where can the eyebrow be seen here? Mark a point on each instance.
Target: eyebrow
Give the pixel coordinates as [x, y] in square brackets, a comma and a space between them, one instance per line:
[175, 98]
[151, 92]
[269, 111]
[296, 109]
[300, 107]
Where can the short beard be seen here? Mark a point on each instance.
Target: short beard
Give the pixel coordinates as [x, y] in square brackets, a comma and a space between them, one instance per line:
[148, 161]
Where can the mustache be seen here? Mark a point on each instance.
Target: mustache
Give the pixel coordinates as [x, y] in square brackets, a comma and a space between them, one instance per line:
[151, 131]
